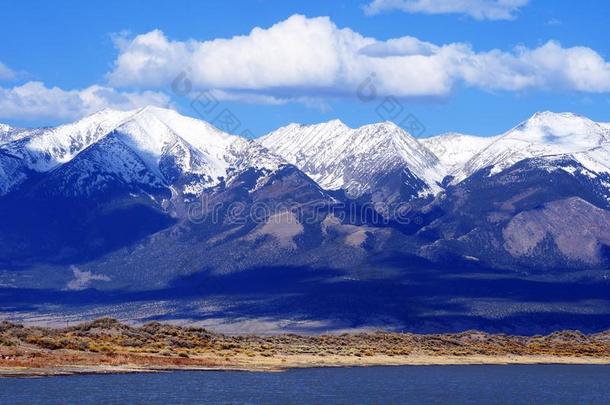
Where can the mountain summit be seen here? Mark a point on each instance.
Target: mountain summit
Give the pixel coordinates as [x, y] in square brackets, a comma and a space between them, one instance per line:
[170, 148]
[358, 160]
[156, 214]
[544, 134]
[454, 149]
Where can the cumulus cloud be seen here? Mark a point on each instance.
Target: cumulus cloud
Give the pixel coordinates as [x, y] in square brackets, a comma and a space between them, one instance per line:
[477, 9]
[34, 100]
[6, 73]
[311, 58]
[548, 67]
[295, 52]
[298, 57]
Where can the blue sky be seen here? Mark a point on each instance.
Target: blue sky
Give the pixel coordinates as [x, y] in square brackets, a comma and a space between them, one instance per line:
[461, 71]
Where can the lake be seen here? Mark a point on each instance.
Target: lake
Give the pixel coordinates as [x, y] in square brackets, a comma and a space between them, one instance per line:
[527, 384]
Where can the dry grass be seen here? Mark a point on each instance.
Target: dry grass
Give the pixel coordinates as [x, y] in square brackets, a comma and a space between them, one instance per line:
[109, 343]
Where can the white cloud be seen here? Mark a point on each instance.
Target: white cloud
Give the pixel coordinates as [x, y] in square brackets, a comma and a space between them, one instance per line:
[295, 52]
[254, 98]
[298, 57]
[34, 100]
[548, 67]
[6, 73]
[477, 9]
[304, 59]
[150, 59]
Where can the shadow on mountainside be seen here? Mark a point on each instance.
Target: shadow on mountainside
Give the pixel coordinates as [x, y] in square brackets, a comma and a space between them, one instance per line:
[428, 300]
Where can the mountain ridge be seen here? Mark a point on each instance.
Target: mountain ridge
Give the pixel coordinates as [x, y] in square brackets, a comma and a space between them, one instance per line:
[543, 134]
[157, 136]
[340, 157]
[455, 149]
[166, 217]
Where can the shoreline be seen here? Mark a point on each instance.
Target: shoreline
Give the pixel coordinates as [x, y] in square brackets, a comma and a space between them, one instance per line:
[107, 346]
[285, 364]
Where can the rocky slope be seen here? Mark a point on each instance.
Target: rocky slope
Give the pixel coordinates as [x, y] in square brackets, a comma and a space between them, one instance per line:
[153, 211]
[359, 160]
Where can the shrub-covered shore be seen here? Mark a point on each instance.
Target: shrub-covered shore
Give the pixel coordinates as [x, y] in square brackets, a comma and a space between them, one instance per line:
[109, 343]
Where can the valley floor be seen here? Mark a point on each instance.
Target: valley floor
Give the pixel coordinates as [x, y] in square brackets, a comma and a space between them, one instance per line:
[107, 346]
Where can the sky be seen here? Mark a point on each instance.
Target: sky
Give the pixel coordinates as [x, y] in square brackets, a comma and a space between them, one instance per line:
[432, 66]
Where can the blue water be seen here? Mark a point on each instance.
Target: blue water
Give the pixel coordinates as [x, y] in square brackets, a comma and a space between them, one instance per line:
[538, 384]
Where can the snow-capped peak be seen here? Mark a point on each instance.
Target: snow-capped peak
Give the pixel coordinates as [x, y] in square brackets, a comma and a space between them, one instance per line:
[200, 134]
[168, 145]
[9, 133]
[339, 157]
[567, 131]
[46, 148]
[454, 149]
[544, 134]
[152, 132]
[179, 150]
[5, 131]
[297, 143]
[336, 123]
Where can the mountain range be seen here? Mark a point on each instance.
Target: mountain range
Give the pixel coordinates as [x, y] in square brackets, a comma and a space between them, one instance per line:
[148, 214]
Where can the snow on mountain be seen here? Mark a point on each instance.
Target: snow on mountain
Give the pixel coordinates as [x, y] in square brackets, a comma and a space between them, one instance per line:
[454, 149]
[544, 134]
[201, 135]
[200, 155]
[174, 149]
[596, 163]
[45, 148]
[4, 131]
[189, 155]
[177, 148]
[244, 154]
[12, 170]
[339, 157]
[9, 134]
[107, 164]
[596, 160]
